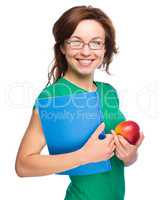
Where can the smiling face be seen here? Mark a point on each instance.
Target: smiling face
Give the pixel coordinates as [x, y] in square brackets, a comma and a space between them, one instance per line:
[84, 61]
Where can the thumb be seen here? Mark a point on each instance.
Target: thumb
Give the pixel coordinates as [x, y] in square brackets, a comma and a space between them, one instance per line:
[97, 132]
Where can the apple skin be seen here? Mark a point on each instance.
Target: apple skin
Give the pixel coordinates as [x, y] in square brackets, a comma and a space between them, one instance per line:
[130, 130]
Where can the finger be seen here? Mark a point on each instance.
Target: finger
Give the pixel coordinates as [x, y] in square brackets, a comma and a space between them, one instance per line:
[113, 132]
[112, 154]
[119, 154]
[121, 151]
[115, 136]
[111, 146]
[119, 146]
[116, 140]
[109, 138]
[126, 145]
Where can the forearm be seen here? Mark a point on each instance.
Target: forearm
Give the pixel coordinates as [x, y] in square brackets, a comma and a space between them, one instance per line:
[40, 165]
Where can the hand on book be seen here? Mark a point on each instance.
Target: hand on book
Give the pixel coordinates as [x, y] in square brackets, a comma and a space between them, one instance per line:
[96, 150]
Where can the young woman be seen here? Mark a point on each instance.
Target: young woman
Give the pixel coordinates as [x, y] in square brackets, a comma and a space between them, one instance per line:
[85, 40]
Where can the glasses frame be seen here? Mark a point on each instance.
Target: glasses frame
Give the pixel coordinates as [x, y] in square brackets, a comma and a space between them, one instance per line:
[83, 44]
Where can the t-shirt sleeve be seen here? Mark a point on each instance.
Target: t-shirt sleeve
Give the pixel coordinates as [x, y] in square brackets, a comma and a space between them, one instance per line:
[123, 118]
[43, 94]
[34, 106]
[47, 92]
[35, 102]
[114, 103]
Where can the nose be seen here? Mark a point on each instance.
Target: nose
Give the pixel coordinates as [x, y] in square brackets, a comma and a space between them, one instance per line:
[85, 50]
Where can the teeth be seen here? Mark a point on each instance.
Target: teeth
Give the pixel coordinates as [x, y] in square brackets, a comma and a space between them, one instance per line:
[84, 61]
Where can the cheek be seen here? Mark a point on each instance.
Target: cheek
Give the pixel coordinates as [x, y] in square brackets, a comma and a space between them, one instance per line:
[71, 54]
[100, 56]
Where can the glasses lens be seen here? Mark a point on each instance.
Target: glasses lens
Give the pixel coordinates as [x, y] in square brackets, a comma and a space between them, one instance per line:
[96, 45]
[75, 44]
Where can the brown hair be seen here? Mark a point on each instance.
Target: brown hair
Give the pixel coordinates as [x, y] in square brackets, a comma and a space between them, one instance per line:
[64, 28]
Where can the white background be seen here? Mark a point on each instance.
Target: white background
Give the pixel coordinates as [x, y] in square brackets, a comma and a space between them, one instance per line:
[26, 50]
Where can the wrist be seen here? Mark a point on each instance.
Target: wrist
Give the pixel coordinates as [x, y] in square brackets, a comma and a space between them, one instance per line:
[131, 160]
[82, 156]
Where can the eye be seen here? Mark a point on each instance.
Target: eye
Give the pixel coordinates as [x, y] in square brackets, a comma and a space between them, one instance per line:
[96, 44]
[75, 42]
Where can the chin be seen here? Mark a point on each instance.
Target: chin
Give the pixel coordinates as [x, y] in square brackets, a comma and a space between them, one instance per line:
[86, 71]
[83, 70]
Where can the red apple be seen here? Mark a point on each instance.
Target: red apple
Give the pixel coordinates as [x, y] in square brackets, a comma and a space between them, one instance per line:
[130, 130]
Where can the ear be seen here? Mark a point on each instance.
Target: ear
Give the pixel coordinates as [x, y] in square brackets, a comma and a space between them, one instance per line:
[62, 48]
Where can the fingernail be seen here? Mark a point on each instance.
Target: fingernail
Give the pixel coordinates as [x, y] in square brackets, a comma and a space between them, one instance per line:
[103, 123]
[112, 131]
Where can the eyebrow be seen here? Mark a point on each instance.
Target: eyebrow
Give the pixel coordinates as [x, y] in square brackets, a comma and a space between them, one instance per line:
[82, 39]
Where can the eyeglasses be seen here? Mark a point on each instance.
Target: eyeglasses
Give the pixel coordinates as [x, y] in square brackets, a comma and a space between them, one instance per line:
[78, 44]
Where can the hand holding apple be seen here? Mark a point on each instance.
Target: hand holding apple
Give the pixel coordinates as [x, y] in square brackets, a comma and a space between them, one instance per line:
[130, 130]
[128, 138]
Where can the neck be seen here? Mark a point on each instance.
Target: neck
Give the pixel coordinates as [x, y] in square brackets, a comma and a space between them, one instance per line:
[83, 81]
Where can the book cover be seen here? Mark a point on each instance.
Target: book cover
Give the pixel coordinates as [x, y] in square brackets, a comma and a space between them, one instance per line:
[68, 122]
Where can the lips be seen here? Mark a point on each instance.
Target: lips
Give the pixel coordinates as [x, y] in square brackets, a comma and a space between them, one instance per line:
[85, 62]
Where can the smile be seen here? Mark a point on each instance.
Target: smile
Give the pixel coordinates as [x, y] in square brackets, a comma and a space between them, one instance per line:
[85, 62]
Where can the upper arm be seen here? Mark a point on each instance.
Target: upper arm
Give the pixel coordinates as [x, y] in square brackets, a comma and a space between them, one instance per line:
[33, 140]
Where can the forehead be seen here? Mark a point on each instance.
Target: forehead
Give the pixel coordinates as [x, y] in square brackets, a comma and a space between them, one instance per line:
[88, 29]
